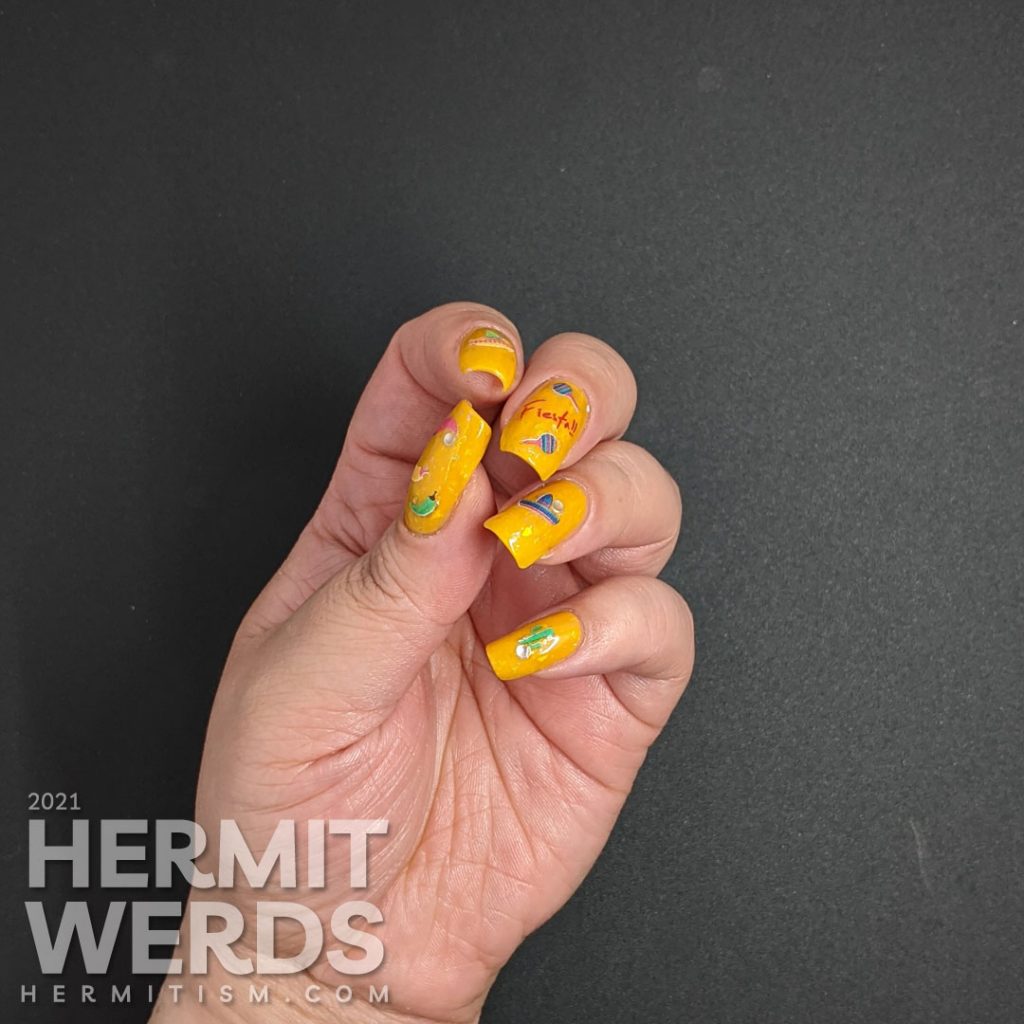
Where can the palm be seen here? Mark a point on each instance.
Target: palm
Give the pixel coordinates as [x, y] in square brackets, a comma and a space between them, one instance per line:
[503, 835]
[505, 795]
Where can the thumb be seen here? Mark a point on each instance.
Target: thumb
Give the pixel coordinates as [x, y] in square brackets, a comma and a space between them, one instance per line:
[364, 636]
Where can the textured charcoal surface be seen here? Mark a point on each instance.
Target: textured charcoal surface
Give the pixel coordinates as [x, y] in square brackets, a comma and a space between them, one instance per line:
[800, 222]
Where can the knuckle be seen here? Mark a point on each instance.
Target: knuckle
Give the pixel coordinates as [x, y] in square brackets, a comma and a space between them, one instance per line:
[607, 367]
[453, 315]
[670, 622]
[378, 583]
[383, 584]
[641, 483]
[333, 600]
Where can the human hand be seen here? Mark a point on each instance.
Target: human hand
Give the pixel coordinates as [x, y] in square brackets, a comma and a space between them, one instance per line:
[358, 685]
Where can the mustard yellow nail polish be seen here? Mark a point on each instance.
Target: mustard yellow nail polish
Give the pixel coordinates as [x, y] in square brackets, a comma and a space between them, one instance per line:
[534, 646]
[540, 520]
[544, 428]
[444, 468]
[486, 350]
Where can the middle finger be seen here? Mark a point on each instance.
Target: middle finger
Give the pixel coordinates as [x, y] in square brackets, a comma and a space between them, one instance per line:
[616, 512]
[576, 391]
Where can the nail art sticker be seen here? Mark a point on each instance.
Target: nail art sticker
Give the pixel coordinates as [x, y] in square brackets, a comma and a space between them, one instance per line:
[492, 339]
[449, 431]
[546, 426]
[562, 388]
[448, 460]
[486, 350]
[425, 506]
[533, 647]
[539, 640]
[547, 443]
[547, 506]
[540, 520]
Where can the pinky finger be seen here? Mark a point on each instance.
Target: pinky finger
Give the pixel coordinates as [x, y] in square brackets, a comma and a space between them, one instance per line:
[630, 629]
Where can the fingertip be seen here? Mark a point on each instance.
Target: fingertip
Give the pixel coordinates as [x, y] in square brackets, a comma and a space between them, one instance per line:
[576, 391]
[528, 456]
[488, 351]
[463, 350]
[535, 646]
[443, 472]
[522, 559]
[531, 526]
[547, 424]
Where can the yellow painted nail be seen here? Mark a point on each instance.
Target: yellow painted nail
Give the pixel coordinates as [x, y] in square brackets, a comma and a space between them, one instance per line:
[444, 468]
[486, 350]
[535, 646]
[540, 520]
[546, 426]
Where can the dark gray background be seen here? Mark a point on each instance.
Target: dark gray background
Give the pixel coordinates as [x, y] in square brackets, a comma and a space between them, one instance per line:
[800, 222]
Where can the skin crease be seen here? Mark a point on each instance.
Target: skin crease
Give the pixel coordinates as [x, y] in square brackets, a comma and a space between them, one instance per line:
[499, 796]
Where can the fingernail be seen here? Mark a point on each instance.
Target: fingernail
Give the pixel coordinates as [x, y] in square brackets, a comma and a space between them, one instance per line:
[535, 646]
[444, 468]
[486, 350]
[540, 520]
[544, 428]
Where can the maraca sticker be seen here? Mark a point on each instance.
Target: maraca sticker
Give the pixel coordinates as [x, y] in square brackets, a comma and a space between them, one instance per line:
[561, 388]
[547, 443]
